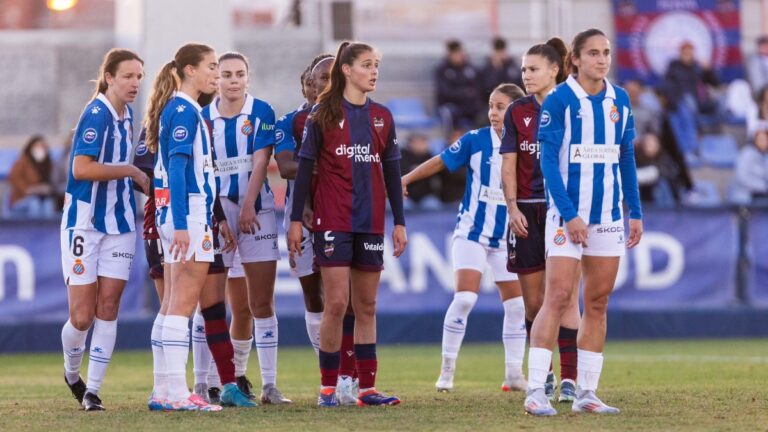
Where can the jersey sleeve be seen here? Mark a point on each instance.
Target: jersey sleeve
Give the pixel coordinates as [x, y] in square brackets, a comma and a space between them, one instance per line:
[183, 127]
[392, 151]
[92, 132]
[311, 140]
[551, 132]
[284, 140]
[265, 135]
[509, 136]
[458, 154]
[628, 168]
[143, 158]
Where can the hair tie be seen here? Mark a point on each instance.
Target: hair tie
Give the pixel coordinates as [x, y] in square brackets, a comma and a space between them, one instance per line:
[173, 64]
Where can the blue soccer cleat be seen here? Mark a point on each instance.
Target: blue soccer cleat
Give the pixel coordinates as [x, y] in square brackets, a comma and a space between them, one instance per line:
[373, 398]
[232, 396]
[327, 398]
[155, 404]
[550, 386]
[567, 391]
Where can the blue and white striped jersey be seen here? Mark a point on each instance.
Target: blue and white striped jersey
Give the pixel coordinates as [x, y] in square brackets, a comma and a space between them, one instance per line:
[587, 156]
[235, 140]
[183, 131]
[105, 206]
[483, 210]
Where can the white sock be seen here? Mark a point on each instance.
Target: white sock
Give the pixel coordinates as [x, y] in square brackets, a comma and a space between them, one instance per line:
[176, 351]
[538, 367]
[455, 322]
[589, 365]
[73, 344]
[242, 353]
[158, 358]
[265, 330]
[513, 335]
[201, 354]
[213, 377]
[313, 319]
[102, 346]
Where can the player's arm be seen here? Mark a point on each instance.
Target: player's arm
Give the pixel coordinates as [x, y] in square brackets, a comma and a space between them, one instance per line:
[310, 144]
[285, 146]
[629, 185]
[508, 151]
[262, 151]
[425, 170]
[286, 164]
[392, 183]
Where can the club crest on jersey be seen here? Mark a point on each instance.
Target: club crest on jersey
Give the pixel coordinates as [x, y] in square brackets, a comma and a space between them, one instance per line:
[78, 268]
[207, 244]
[614, 114]
[378, 122]
[455, 147]
[328, 249]
[546, 118]
[559, 237]
[279, 136]
[141, 149]
[247, 128]
[180, 133]
[89, 136]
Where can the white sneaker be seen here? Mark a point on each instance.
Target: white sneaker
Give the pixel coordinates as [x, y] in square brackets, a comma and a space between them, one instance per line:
[537, 403]
[588, 402]
[345, 390]
[514, 383]
[444, 383]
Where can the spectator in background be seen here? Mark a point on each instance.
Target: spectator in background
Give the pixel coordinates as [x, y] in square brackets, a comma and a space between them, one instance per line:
[416, 152]
[500, 68]
[459, 98]
[752, 169]
[757, 64]
[32, 194]
[757, 117]
[687, 81]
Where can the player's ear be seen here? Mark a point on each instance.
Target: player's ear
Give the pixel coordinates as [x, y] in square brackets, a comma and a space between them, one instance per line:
[346, 70]
[108, 78]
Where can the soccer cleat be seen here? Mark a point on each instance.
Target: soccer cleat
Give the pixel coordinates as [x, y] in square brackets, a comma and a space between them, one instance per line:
[214, 395]
[201, 389]
[154, 403]
[567, 391]
[588, 402]
[345, 390]
[514, 383]
[327, 398]
[77, 389]
[192, 403]
[550, 386]
[444, 382]
[270, 395]
[91, 402]
[373, 398]
[537, 403]
[232, 396]
[245, 386]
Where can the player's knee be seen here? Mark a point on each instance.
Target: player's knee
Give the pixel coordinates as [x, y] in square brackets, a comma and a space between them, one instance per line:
[597, 305]
[335, 308]
[364, 308]
[532, 306]
[81, 320]
[559, 296]
[262, 310]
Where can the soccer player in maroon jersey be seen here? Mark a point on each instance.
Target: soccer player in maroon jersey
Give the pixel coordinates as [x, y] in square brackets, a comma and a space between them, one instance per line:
[351, 142]
[543, 68]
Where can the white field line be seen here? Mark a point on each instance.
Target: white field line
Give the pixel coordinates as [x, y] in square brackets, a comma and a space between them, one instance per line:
[694, 358]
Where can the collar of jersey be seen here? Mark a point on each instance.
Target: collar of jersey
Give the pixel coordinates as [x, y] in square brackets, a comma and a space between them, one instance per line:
[350, 105]
[246, 110]
[111, 109]
[188, 98]
[581, 94]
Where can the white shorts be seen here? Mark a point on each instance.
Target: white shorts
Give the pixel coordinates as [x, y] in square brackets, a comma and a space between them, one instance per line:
[88, 254]
[258, 247]
[606, 239]
[304, 264]
[236, 271]
[468, 254]
[200, 242]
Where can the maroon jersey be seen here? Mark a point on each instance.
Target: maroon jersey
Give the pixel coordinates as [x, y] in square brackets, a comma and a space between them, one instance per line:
[521, 129]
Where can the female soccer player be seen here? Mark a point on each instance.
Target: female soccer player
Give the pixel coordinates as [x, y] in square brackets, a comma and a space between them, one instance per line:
[586, 132]
[351, 141]
[243, 136]
[479, 240]
[543, 68]
[98, 235]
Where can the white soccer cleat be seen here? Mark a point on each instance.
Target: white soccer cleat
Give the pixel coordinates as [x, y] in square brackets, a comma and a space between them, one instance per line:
[514, 383]
[444, 383]
[346, 390]
[588, 402]
[537, 403]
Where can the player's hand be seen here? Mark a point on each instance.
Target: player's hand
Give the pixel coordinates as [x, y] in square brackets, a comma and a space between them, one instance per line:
[518, 223]
[141, 179]
[248, 219]
[180, 245]
[295, 236]
[405, 187]
[578, 231]
[307, 217]
[229, 238]
[635, 232]
[399, 240]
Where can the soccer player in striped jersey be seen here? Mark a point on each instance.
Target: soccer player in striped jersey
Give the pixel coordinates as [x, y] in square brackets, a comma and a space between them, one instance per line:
[543, 68]
[351, 141]
[98, 237]
[243, 137]
[479, 240]
[586, 131]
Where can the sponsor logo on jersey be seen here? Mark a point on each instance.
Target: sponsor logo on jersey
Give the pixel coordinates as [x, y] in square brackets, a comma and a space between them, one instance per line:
[358, 152]
[126, 255]
[279, 136]
[546, 118]
[375, 247]
[95, 110]
[341, 124]
[247, 128]
[267, 127]
[180, 133]
[272, 236]
[89, 135]
[531, 148]
[612, 229]
[78, 267]
[559, 237]
[527, 121]
[141, 149]
[455, 147]
[378, 122]
[180, 108]
[614, 114]
[207, 244]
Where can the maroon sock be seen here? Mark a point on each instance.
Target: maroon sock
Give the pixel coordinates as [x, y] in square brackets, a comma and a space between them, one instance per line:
[528, 326]
[347, 363]
[566, 341]
[329, 368]
[366, 364]
[217, 336]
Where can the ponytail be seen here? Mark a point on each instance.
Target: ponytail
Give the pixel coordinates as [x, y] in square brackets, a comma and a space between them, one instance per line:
[555, 52]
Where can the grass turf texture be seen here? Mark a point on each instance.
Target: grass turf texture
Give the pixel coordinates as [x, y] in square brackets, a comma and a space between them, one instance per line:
[670, 385]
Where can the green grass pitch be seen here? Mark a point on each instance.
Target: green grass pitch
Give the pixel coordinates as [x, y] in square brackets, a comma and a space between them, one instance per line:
[667, 385]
